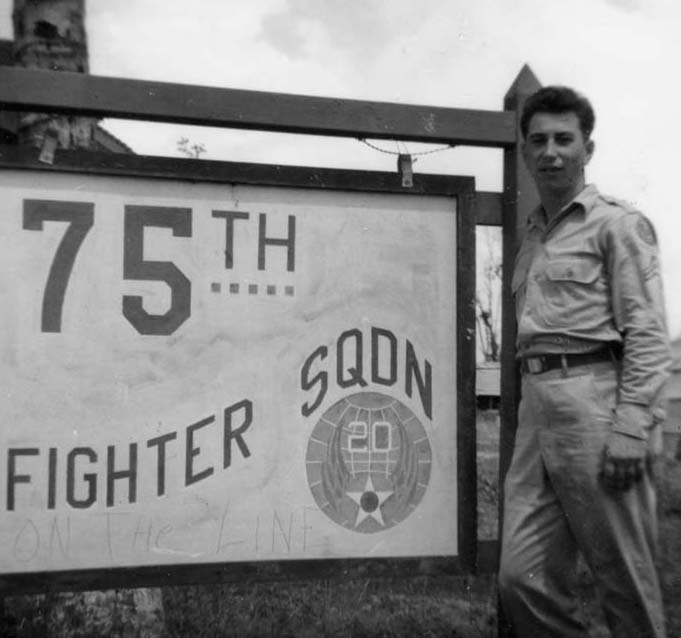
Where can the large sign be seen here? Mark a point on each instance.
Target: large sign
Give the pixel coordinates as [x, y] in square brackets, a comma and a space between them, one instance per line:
[201, 373]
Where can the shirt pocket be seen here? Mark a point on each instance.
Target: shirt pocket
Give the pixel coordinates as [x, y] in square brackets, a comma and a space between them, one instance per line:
[571, 292]
[572, 272]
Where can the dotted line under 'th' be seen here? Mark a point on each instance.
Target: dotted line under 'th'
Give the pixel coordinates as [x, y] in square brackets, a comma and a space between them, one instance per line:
[270, 290]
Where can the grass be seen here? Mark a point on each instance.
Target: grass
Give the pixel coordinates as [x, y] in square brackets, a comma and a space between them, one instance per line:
[366, 608]
[670, 542]
[416, 607]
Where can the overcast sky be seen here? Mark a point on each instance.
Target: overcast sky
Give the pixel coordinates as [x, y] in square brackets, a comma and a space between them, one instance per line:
[623, 54]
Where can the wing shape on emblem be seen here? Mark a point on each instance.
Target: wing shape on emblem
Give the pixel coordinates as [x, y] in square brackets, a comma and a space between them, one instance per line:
[335, 475]
[406, 471]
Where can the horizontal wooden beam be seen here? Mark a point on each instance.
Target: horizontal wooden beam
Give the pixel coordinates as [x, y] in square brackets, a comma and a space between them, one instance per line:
[488, 208]
[96, 96]
[14, 156]
[232, 572]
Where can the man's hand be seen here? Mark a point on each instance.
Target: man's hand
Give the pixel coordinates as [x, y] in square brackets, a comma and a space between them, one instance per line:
[624, 459]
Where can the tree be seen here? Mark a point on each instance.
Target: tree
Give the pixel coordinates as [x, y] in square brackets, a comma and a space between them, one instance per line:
[192, 151]
[488, 294]
[50, 34]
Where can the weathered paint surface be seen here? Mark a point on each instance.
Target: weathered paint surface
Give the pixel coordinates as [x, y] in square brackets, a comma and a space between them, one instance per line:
[178, 357]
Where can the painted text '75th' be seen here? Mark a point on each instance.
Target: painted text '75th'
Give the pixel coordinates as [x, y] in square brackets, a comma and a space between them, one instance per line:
[80, 217]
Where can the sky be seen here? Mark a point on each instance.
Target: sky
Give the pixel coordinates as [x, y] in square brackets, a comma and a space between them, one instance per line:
[622, 54]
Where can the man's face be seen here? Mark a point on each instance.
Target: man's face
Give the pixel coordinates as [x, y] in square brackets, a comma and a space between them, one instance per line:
[556, 152]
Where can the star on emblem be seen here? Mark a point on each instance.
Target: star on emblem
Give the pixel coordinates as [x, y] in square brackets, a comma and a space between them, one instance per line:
[369, 502]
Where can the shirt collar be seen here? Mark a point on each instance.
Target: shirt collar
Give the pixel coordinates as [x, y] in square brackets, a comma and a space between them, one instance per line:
[585, 200]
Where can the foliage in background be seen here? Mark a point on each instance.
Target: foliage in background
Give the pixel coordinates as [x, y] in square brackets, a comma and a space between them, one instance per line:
[488, 292]
[193, 151]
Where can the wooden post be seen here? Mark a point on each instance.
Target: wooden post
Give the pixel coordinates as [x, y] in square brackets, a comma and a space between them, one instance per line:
[519, 198]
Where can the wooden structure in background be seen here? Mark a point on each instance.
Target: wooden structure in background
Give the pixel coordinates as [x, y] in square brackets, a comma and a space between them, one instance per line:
[98, 96]
[51, 35]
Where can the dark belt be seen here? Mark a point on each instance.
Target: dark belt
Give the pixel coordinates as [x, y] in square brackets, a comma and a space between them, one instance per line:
[546, 362]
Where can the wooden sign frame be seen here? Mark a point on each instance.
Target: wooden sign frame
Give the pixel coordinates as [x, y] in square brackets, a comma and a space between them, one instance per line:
[459, 188]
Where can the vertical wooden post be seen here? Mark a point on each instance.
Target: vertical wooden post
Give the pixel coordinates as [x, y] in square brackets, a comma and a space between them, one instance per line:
[519, 198]
[465, 371]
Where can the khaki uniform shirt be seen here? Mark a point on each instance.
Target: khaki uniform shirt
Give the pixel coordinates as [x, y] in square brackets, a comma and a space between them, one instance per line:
[590, 277]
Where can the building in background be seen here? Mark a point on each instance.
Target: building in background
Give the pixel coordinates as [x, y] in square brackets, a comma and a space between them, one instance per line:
[102, 140]
[487, 385]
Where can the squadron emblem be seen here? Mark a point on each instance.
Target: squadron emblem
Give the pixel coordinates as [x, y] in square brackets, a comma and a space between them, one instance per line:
[368, 462]
[646, 231]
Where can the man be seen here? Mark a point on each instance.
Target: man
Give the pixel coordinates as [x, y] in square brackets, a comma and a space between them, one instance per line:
[594, 355]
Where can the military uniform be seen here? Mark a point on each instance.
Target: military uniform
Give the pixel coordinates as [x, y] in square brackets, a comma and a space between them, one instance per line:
[594, 350]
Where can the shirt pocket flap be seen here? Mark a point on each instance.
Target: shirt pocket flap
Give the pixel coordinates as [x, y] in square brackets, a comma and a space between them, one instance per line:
[581, 272]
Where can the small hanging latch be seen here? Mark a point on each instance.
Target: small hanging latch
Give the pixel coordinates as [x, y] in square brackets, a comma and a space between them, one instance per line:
[405, 169]
[49, 146]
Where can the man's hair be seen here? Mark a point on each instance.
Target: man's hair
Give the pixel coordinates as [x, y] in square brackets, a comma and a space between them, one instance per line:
[559, 99]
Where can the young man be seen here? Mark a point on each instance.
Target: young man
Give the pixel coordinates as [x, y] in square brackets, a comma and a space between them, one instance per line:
[594, 354]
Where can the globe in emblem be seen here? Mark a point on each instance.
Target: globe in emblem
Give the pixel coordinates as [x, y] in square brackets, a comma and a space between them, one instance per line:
[368, 462]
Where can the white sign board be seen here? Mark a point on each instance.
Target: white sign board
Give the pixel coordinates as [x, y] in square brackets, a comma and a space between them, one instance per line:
[201, 373]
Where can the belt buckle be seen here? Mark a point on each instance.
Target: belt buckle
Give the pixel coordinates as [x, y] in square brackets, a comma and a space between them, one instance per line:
[535, 365]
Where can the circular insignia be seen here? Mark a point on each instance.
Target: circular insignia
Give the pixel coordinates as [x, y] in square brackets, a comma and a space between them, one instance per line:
[368, 462]
[645, 231]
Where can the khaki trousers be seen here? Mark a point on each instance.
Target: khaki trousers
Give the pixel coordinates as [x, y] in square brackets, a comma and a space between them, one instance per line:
[556, 506]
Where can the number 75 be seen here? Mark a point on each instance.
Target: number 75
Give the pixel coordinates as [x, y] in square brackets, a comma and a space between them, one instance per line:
[80, 219]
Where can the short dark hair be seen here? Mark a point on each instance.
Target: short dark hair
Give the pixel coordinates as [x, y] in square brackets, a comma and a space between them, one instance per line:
[559, 99]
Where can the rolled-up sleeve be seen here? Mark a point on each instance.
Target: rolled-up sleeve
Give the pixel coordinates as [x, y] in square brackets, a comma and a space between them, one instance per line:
[639, 314]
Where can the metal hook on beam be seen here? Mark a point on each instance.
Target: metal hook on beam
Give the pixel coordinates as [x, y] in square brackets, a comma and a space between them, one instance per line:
[405, 167]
